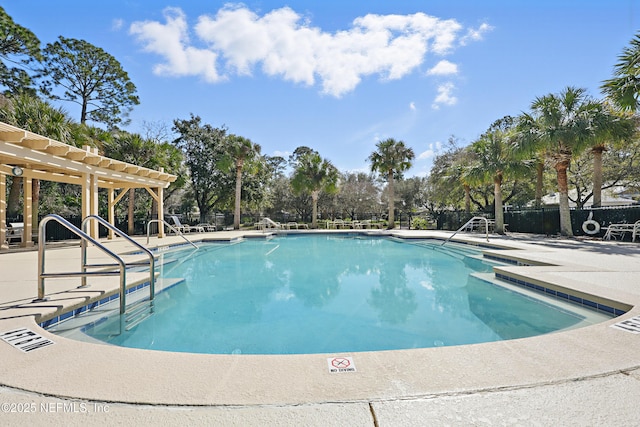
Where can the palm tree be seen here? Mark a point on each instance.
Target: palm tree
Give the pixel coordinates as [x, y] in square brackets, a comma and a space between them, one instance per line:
[562, 126]
[313, 175]
[392, 158]
[494, 161]
[239, 150]
[614, 128]
[624, 88]
[462, 158]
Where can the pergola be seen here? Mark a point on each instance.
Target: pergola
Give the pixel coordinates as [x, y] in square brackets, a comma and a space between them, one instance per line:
[32, 156]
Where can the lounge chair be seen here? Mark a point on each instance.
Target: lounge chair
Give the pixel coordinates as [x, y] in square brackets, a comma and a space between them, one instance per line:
[184, 228]
[338, 223]
[296, 226]
[14, 232]
[636, 231]
[269, 223]
[207, 227]
[615, 231]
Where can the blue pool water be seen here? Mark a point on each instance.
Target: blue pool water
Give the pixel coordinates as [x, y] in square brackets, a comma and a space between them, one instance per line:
[331, 294]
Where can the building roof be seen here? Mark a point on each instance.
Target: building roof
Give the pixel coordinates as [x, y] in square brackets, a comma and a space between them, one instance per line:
[609, 198]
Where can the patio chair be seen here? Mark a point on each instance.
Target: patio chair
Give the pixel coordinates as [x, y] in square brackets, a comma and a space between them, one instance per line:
[207, 227]
[269, 223]
[636, 230]
[14, 232]
[183, 228]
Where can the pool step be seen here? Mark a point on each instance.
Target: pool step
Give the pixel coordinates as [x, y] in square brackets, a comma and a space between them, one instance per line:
[138, 312]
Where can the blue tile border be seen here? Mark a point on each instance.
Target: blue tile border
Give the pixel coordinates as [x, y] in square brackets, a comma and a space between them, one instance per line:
[166, 248]
[95, 304]
[511, 261]
[562, 295]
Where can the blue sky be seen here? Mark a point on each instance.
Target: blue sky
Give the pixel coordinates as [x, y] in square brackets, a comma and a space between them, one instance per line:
[340, 76]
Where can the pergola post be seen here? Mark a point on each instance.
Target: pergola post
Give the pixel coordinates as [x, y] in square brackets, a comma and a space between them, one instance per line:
[93, 205]
[160, 212]
[84, 208]
[111, 212]
[27, 212]
[3, 212]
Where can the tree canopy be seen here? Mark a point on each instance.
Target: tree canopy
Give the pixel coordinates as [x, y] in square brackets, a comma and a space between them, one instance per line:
[239, 151]
[313, 175]
[391, 159]
[19, 48]
[624, 87]
[562, 125]
[89, 77]
[203, 148]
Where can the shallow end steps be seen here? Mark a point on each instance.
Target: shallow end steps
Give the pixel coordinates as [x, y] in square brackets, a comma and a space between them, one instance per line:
[75, 301]
[596, 302]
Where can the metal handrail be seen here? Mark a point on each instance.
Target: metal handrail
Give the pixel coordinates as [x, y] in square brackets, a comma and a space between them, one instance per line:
[178, 232]
[486, 222]
[152, 259]
[84, 237]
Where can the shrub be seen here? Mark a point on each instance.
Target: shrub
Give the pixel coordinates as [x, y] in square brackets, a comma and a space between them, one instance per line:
[419, 223]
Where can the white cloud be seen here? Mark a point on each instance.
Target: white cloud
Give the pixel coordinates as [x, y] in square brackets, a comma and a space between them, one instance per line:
[475, 34]
[444, 96]
[117, 24]
[284, 44]
[284, 154]
[443, 68]
[171, 41]
[431, 151]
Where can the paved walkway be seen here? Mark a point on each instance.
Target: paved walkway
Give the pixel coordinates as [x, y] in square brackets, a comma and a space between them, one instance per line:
[588, 376]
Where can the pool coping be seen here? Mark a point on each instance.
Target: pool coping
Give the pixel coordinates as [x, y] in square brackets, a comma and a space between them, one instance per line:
[63, 369]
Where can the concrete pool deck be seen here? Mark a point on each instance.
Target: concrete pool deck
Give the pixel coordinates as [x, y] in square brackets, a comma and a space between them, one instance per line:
[586, 376]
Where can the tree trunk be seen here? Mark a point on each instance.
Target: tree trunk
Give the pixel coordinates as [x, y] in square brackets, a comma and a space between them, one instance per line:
[467, 198]
[13, 203]
[314, 215]
[539, 183]
[563, 191]
[497, 194]
[597, 175]
[83, 112]
[236, 213]
[391, 195]
[130, 224]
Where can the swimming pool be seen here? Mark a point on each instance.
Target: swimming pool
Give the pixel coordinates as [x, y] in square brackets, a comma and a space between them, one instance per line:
[335, 293]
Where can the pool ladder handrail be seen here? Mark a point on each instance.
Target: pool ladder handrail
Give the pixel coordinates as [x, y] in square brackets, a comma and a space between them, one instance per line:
[466, 224]
[172, 228]
[151, 263]
[84, 273]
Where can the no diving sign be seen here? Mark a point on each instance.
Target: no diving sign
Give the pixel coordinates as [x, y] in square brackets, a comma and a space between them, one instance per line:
[341, 364]
[25, 339]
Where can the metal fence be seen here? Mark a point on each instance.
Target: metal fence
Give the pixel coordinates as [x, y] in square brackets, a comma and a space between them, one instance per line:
[536, 221]
[57, 232]
[547, 220]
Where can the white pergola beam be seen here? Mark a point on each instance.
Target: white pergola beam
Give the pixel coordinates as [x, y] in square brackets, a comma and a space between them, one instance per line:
[50, 160]
[13, 154]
